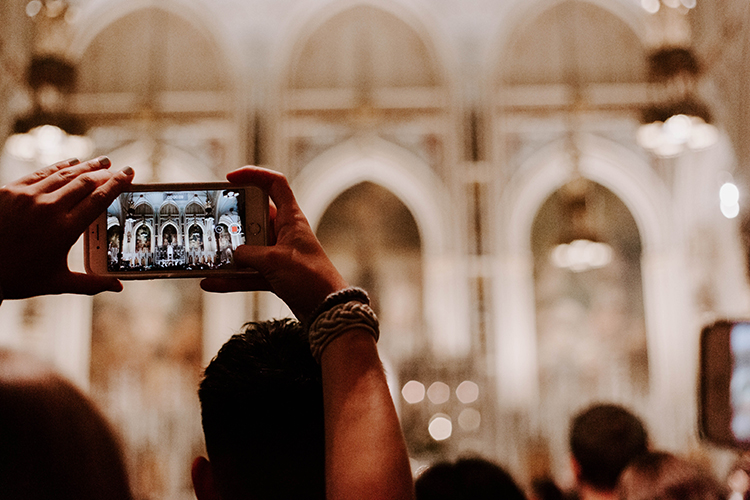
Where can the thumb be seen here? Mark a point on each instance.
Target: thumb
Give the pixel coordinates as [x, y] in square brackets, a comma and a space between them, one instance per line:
[88, 284]
[253, 256]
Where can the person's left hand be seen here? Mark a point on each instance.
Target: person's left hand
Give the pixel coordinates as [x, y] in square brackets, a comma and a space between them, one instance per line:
[41, 217]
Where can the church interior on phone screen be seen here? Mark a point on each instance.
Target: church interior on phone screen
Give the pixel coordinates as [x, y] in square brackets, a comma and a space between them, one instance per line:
[173, 230]
[543, 197]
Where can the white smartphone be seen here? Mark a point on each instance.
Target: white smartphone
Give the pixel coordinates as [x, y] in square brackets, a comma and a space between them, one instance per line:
[176, 230]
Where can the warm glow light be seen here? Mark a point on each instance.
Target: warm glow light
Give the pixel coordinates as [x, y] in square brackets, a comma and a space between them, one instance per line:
[704, 135]
[413, 392]
[581, 255]
[469, 419]
[729, 194]
[440, 427]
[677, 128]
[55, 8]
[649, 135]
[650, 6]
[467, 392]
[729, 197]
[676, 134]
[33, 8]
[730, 211]
[439, 393]
[48, 144]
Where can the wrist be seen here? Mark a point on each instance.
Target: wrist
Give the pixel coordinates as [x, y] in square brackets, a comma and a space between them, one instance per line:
[347, 310]
[339, 296]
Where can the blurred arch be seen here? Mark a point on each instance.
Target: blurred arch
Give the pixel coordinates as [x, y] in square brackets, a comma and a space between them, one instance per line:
[523, 14]
[95, 17]
[310, 17]
[415, 184]
[632, 180]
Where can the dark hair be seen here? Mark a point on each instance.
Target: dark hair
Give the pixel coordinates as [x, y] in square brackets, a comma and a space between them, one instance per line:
[663, 476]
[545, 488]
[467, 478]
[603, 439]
[262, 412]
[54, 442]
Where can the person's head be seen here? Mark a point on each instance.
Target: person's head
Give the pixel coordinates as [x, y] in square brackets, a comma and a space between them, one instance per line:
[54, 442]
[473, 478]
[604, 438]
[663, 476]
[262, 411]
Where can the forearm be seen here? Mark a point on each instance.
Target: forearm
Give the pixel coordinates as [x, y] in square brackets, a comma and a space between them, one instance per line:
[366, 454]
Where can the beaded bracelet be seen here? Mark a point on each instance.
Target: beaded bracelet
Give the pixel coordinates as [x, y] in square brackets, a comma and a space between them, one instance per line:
[339, 319]
[340, 297]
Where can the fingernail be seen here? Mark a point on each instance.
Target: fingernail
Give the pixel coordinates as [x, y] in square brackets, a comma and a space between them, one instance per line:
[104, 161]
[73, 161]
[128, 171]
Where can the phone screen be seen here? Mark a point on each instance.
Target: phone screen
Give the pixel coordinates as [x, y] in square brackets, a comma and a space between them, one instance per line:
[739, 384]
[175, 230]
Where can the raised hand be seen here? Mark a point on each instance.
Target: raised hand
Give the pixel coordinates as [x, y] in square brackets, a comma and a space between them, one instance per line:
[41, 217]
[295, 267]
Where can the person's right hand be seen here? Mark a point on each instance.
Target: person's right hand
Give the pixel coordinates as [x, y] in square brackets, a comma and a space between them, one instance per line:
[41, 217]
[295, 267]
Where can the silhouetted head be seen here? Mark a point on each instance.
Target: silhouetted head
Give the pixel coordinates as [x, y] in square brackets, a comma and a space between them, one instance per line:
[467, 479]
[54, 442]
[604, 438]
[663, 476]
[262, 411]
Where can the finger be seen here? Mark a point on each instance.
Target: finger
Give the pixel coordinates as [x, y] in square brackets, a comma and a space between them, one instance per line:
[42, 174]
[65, 175]
[90, 206]
[84, 284]
[67, 197]
[278, 189]
[272, 210]
[275, 183]
[251, 256]
[226, 285]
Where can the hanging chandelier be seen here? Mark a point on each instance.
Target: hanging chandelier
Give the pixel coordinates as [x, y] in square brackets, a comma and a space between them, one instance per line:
[653, 6]
[678, 121]
[49, 131]
[579, 248]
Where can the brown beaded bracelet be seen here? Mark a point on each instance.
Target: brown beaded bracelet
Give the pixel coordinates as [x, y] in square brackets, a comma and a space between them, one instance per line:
[338, 320]
[339, 297]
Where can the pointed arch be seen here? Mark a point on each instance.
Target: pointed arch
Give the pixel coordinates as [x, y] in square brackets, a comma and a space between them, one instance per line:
[95, 17]
[630, 178]
[310, 16]
[522, 12]
[621, 170]
[415, 184]
[385, 164]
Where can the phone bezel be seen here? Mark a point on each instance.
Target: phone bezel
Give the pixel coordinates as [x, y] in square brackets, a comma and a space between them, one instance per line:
[256, 211]
[715, 372]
